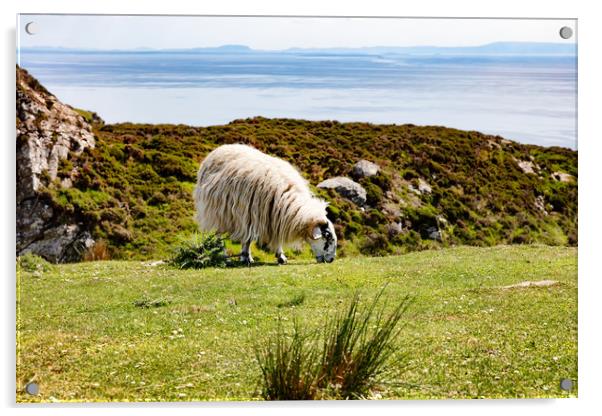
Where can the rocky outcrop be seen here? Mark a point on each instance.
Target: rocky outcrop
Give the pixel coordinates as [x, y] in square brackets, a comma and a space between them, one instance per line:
[364, 169]
[50, 135]
[347, 188]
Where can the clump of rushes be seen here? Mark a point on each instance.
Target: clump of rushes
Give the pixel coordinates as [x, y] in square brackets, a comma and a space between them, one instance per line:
[199, 251]
[357, 344]
[345, 364]
[288, 366]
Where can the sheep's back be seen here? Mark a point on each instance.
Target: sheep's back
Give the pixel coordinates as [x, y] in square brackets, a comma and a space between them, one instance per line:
[238, 188]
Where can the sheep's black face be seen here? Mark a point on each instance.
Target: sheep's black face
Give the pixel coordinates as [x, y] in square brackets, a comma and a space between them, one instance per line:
[324, 242]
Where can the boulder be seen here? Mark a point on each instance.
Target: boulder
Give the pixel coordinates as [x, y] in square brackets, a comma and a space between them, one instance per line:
[527, 166]
[347, 188]
[563, 177]
[394, 229]
[433, 233]
[423, 187]
[48, 132]
[62, 243]
[364, 169]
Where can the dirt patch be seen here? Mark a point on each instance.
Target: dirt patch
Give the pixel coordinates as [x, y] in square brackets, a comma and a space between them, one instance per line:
[527, 284]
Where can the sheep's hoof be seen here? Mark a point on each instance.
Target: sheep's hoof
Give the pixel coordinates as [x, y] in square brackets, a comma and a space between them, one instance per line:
[281, 259]
[246, 260]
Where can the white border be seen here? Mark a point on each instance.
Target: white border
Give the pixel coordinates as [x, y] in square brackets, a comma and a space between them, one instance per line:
[590, 126]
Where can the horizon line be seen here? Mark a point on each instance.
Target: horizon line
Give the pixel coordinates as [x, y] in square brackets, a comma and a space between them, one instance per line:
[248, 48]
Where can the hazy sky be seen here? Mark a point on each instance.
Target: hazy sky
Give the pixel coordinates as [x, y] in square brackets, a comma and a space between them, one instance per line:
[128, 32]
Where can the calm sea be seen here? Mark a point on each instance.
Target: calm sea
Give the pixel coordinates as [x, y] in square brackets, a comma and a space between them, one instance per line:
[527, 99]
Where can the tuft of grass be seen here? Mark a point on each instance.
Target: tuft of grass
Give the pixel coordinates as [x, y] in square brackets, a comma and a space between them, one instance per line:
[33, 263]
[357, 345]
[200, 251]
[151, 303]
[294, 301]
[288, 366]
[86, 115]
[345, 365]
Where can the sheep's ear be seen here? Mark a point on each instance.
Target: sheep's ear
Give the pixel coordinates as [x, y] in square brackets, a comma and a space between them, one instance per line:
[316, 233]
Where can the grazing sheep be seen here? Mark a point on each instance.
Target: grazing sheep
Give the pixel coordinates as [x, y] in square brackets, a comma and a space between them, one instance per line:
[256, 197]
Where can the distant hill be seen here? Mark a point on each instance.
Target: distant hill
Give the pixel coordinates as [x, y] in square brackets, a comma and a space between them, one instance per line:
[496, 48]
[436, 186]
[490, 49]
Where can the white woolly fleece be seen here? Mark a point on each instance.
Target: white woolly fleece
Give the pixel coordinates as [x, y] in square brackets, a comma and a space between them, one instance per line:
[255, 197]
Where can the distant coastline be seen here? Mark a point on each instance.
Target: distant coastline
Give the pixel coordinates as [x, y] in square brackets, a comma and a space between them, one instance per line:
[523, 91]
[490, 49]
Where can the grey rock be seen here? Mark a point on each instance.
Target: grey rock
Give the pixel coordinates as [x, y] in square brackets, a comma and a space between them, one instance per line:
[433, 233]
[33, 219]
[62, 243]
[540, 204]
[364, 169]
[563, 177]
[423, 187]
[347, 188]
[48, 131]
[394, 228]
[527, 166]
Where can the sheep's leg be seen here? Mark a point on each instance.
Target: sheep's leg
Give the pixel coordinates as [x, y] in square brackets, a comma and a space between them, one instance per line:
[245, 253]
[280, 256]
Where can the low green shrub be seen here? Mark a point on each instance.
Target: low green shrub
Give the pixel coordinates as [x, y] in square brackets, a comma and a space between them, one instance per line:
[352, 229]
[200, 251]
[33, 263]
[333, 213]
[374, 194]
[375, 244]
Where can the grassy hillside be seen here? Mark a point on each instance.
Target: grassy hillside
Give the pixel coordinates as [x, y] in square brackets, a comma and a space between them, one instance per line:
[134, 189]
[126, 330]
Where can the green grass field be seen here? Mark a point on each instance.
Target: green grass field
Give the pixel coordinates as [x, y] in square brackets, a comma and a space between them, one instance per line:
[129, 331]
